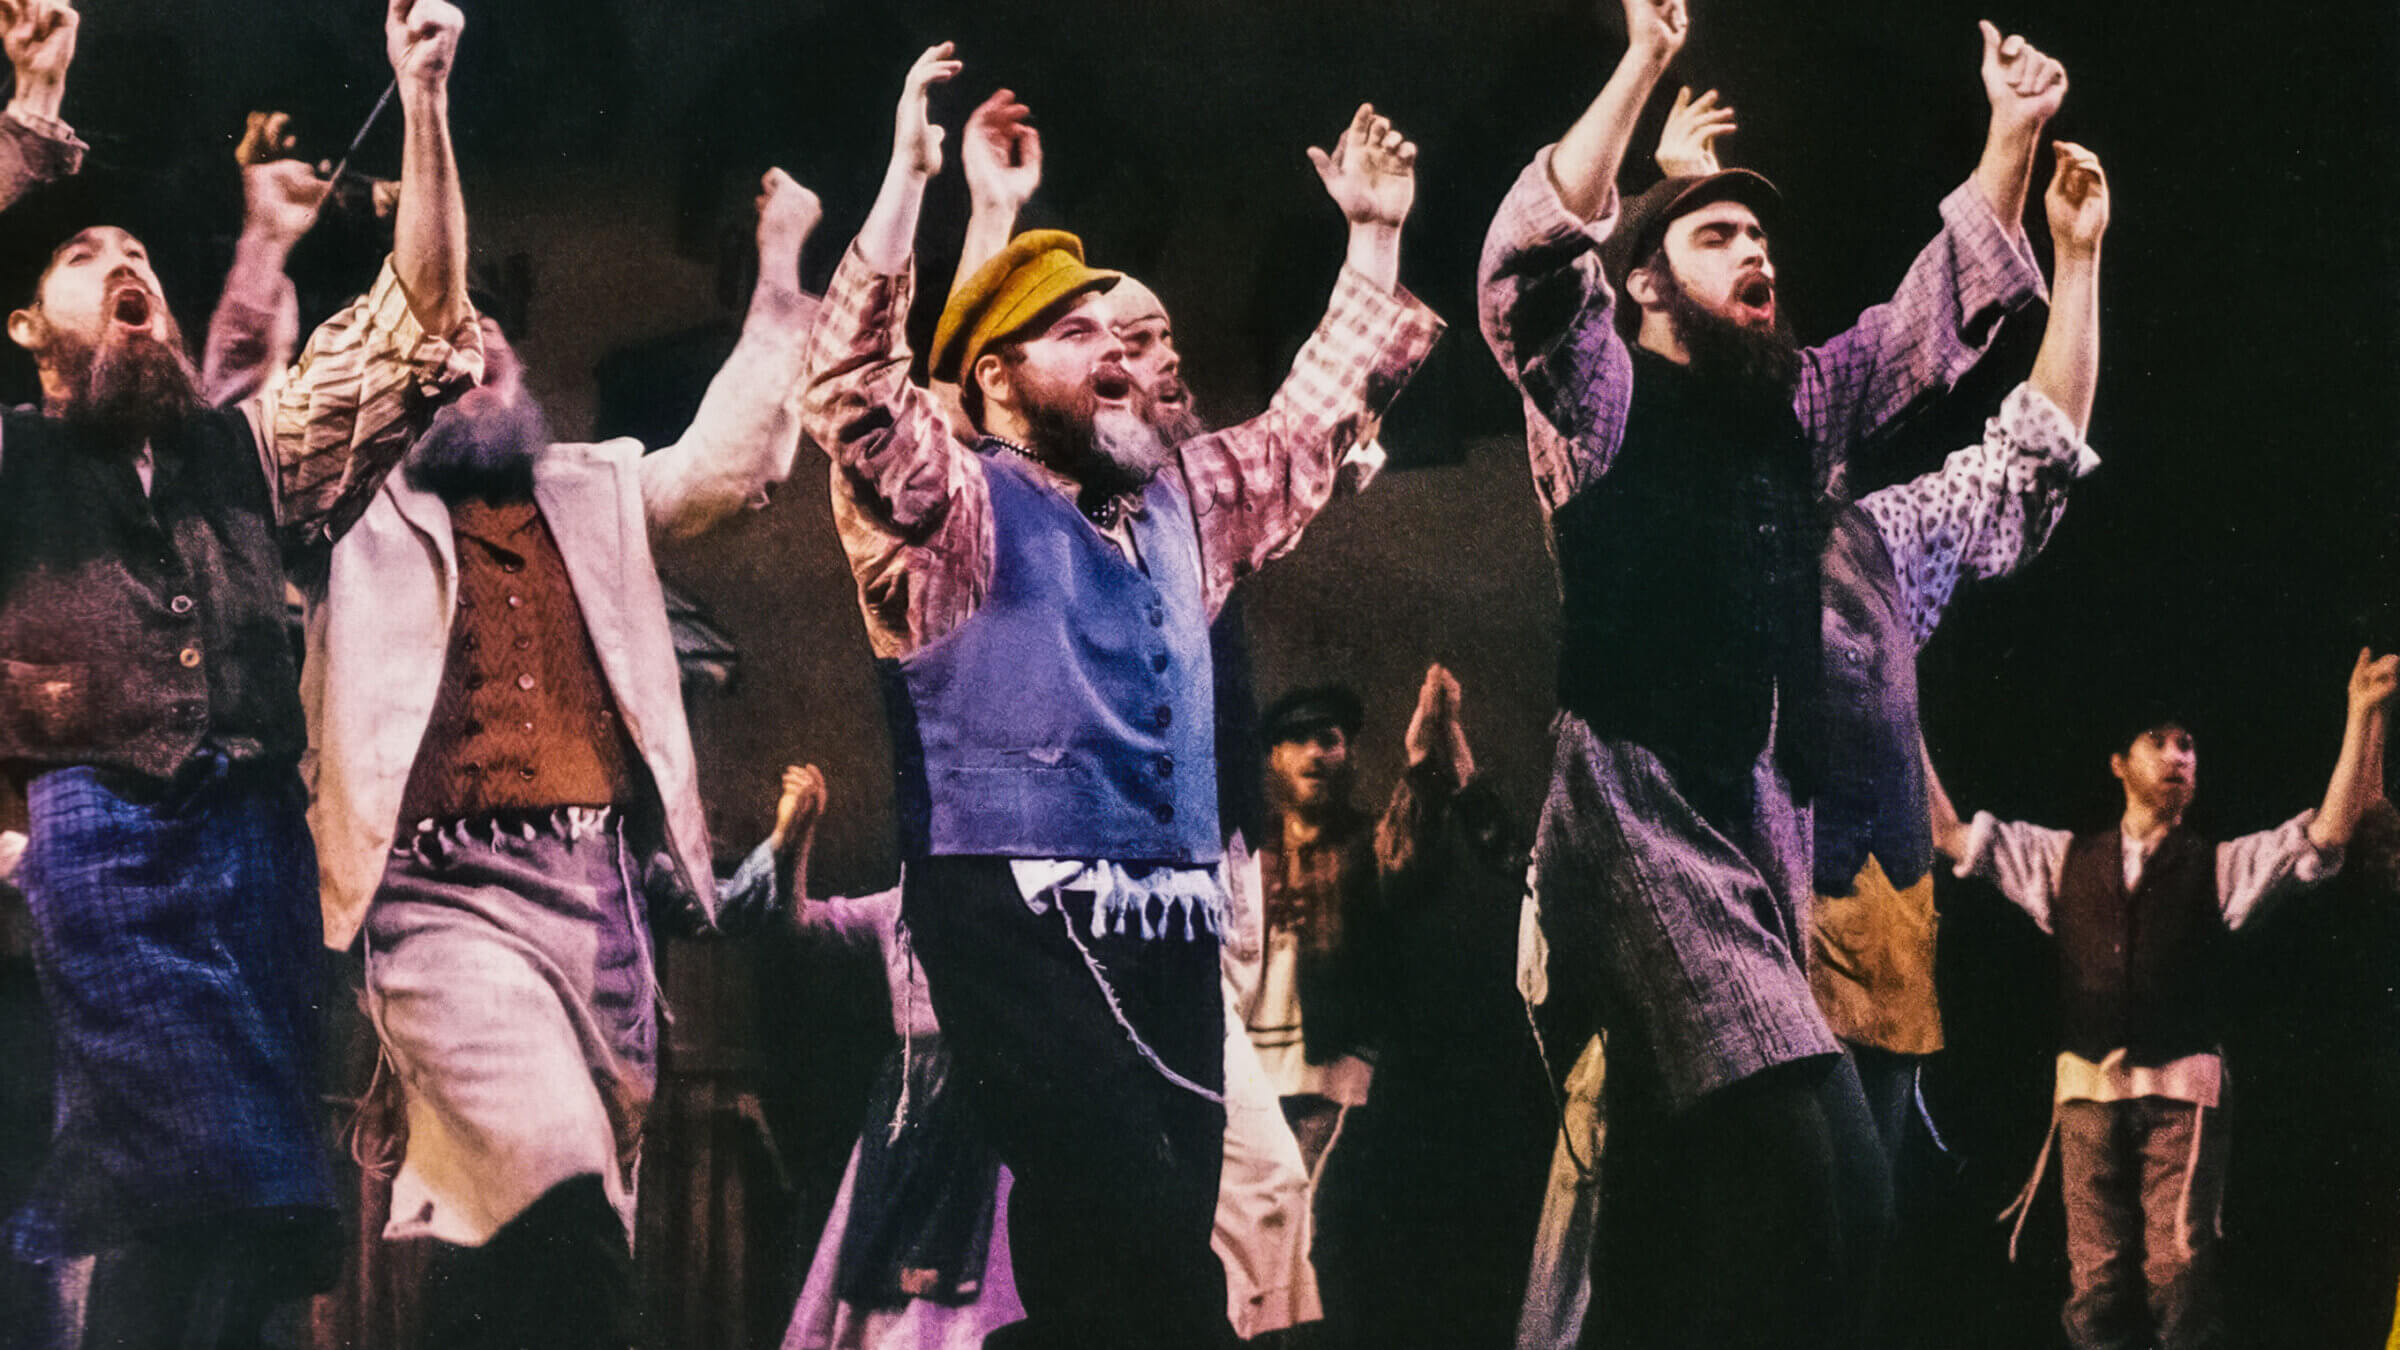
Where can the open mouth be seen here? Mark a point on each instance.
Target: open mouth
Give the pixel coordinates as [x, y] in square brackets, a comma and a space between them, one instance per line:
[1756, 293]
[1113, 386]
[130, 306]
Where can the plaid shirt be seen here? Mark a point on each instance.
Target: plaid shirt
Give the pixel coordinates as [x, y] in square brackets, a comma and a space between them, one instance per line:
[909, 496]
[1549, 315]
[34, 149]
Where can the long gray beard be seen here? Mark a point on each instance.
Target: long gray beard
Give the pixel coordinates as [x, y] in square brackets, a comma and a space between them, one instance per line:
[487, 454]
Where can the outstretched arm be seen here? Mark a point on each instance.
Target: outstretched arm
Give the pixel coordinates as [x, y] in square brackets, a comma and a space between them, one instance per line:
[747, 429]
[2372, 682]
[35, 145]
[1255, 486]
[1001, 155]
[2023, 860]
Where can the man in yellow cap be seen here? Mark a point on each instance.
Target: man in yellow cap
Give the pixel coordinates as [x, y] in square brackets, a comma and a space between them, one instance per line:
[1039, 602]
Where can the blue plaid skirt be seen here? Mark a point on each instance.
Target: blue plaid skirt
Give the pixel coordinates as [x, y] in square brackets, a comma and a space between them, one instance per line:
[176, 936]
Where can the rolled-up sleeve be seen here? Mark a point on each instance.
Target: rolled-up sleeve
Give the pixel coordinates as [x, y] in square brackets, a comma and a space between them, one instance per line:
[363, 390]
[1987, 511]
[35, 149]
[1256, 485]
[1921, 342]
[1548, 314]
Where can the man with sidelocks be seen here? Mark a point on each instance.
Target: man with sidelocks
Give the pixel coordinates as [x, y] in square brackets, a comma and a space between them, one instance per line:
[1039, 606]
[151, 707]
[2142, 914]
[1681, 446]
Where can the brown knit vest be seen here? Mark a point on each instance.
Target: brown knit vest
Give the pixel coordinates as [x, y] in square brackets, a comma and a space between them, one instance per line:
[525, 719]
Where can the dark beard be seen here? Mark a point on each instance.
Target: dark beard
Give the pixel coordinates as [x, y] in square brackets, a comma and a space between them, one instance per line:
[486, 453]
[1107, 454]
[125, 391]
[1760, 361]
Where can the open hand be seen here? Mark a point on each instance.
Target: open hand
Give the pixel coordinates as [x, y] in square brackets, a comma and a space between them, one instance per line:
[40, 36]
[1001, 153]
[916, 141]
[2372, 681]
[2025, 87]
[1372, 171]
[421, 38]
[1437, 712]
[1688, 146]
[2077, 202]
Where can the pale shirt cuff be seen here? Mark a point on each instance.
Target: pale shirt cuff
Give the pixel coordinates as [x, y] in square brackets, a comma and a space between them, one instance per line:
[2037, 430]
[1977, 855]
[2196, 1079]
[71, 146]
[12, 852]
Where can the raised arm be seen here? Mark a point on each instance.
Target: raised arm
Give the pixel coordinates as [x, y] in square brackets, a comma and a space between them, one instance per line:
[429, 233]
[2372, 682]
[909, 498]
[2067, 369]
[371, 377]
[1584, 166]
[256, 325]
[1990, 508]
[747, 428]
[1542, 299]
[2025, 89]
[1439, 764]
[1001, 155]
[775, 874]
[35, 146]
[1255, 486]
[1948, 308]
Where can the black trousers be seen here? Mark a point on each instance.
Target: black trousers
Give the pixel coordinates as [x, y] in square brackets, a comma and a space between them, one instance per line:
[1757, 1218]
[209, 1285]
[557, 1277]
[1115, 1167]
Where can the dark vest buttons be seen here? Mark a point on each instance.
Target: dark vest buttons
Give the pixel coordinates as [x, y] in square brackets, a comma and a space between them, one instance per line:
[1163, 718]
[1165, 813]
[1158, 661]
[1158, 617]
[1166, 766]
[472, 727]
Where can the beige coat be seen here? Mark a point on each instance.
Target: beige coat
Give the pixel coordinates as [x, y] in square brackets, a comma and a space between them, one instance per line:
[379, 615]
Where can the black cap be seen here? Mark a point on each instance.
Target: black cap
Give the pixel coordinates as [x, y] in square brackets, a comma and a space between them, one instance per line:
[1303, 712]
[1642, 224]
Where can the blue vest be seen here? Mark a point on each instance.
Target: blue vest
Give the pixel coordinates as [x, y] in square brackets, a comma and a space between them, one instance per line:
[1871, 790]
[1072, 715]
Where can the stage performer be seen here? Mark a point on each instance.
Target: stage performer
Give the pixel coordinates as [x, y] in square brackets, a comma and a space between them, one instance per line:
[1683, 463]
[504, 787]
[1039, 605]
[151, 706]
[2142, 914]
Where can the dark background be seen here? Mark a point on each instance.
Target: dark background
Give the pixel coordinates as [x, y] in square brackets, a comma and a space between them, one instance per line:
[2232, 555]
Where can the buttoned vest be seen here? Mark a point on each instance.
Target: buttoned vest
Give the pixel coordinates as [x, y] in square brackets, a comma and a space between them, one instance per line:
[2140, 970]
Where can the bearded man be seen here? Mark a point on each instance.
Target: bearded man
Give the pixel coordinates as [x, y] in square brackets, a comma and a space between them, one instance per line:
[150, 706]
[504, 784]
[1039, 603]
[1680, 449]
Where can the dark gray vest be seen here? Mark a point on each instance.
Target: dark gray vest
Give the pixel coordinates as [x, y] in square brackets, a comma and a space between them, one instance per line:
[2140, 970]
[1870, 782]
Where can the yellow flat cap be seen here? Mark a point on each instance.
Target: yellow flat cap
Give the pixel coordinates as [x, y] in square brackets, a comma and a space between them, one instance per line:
[1016, 286]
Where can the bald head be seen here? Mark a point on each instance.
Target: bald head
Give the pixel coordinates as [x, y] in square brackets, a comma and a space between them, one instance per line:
[1160, 395]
